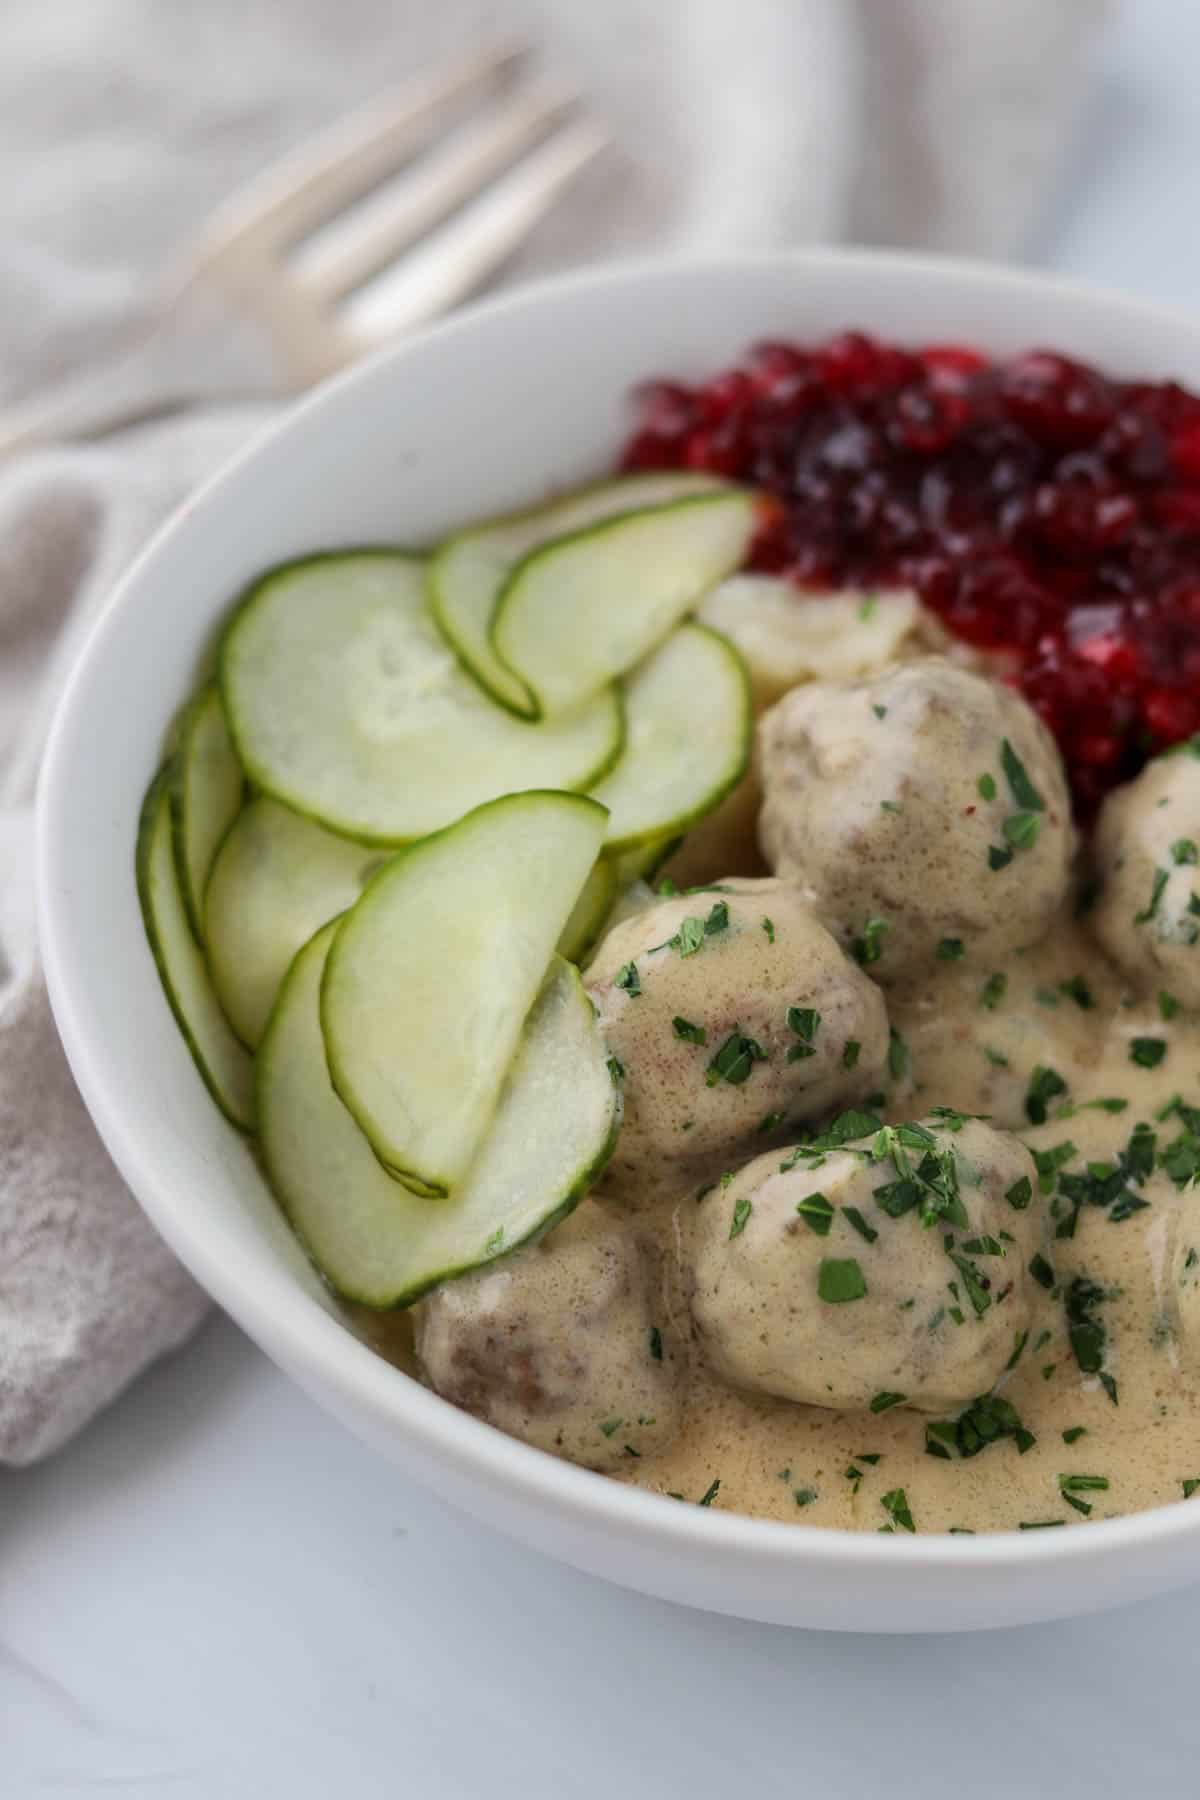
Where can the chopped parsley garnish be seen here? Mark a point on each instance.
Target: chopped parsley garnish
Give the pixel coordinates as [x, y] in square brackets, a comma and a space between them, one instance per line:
[693, 931]
[1077, 989]
[769, 927]
[1184, 850]
[628, 979]
[1190, 1486]
[1022, 789]
[769, 1122]
[1044, 1085]
[1021, 829]
[851, 1053]
[998, 857]
[735, 1060]
[897, 1056]
[1019, 1343]
[869, 947]
[817, 1213]
[987, 1420]
[1087, 1335]
[895, 1504]
[611, 1425]
[840, 1279]
[845, 1129]
[804, 1496]
[1020, 1194]
[691, 1034]
[1168, 1005]
[710, 1493]
[1161, 878]
[804, 1022]
[1049, 1162]
[885, 1400]
[994, 990]
[1147, 1052]
[975, 1284]
[667, 888]
[1073, 1433]
[879, 711]
[741, 1213]
[867, 606]
[986, 787]
[950, 949]
[656, 1349]
[889, 806]
[616, 1069]
[855, 1218]
[1041, 1271]
[1071, 1486]
[1038, 1524]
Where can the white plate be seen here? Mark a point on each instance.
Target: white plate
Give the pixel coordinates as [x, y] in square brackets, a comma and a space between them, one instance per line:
[488, 412]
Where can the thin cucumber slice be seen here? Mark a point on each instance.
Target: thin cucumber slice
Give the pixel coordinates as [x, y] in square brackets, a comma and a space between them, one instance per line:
[552, 1131]
[582, 610]
[468, 572]
[345, 703]
[643, 863]
[433, 970]
[227, 1070]
[688, 732]
[277, 879]
[206, 795]
[590, 911]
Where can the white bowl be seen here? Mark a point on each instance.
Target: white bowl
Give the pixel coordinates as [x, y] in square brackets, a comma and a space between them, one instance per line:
[522, 395]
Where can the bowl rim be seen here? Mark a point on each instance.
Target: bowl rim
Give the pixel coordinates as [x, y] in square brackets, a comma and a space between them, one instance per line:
[312, 1343]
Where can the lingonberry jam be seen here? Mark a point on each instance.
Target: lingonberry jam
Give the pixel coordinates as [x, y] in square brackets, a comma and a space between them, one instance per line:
[1041, 508]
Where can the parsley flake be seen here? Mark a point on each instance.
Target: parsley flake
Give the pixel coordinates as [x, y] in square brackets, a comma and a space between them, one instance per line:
[691, 1034]
[741, 1213]
[840, 1279]
[628, 979]
[817, 1213]
[735, 1060]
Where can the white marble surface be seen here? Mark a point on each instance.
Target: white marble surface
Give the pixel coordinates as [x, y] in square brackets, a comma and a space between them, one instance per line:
[216, 1594]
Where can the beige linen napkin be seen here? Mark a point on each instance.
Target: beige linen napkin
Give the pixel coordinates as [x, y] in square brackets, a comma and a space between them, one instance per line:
[735, 122]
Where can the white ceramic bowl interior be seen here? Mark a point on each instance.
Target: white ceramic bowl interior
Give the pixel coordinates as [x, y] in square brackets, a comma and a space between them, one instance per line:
[489, 411]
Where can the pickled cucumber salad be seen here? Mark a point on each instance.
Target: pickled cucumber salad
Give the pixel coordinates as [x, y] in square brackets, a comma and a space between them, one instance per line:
[685, 1026]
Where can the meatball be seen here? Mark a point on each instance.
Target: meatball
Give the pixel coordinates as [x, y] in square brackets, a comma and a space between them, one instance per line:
[926, 810]
[1145, 853]
[896, 1265]
[562, 1344]
[733, 1015]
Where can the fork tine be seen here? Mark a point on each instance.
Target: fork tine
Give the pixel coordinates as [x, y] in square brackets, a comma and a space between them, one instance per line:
[298, 193]
[458, 260]
[354, 247]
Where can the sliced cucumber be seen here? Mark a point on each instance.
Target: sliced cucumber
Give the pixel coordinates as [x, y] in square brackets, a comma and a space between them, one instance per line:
[590, 911]
[223, 1063]
[277, 879]
[434, 969]
[688, 731]
[553, 1128]
[468, 572]
[206, 793]
[345, 703]
[577, 612]
[643, 863]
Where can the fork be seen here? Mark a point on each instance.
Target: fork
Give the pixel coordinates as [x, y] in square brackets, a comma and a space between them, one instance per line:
[386, 221]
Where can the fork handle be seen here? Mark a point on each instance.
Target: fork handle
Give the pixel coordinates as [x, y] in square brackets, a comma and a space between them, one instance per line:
[176, 359]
